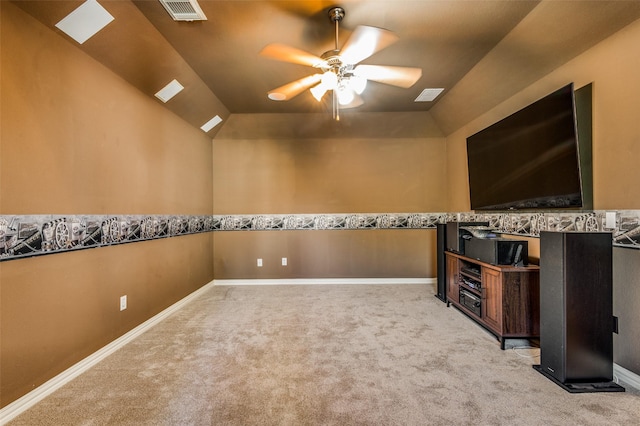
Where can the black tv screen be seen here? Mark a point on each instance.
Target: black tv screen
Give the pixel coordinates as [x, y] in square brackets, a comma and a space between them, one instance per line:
[528, 160]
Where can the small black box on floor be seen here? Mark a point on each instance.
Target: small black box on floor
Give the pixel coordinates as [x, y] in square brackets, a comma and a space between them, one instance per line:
[497, 251]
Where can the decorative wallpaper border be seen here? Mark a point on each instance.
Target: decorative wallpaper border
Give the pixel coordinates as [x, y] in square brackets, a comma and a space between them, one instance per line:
[33, 235]
[625, 232]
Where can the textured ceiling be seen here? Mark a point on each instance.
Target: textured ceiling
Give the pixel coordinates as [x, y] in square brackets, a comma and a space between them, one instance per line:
[481, 52]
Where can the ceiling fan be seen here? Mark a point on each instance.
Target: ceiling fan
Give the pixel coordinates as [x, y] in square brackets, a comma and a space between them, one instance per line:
[341, 72]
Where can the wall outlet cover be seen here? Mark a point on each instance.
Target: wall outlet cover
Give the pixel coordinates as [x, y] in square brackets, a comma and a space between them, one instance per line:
[610, 220]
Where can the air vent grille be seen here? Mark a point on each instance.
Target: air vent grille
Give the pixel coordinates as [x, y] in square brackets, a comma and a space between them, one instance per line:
[428, 95]
[184, 10]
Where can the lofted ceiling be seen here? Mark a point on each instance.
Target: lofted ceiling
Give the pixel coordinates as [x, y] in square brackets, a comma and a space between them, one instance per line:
[480, 51]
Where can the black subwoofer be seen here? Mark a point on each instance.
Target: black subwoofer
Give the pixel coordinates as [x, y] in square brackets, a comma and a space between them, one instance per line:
[576, 310]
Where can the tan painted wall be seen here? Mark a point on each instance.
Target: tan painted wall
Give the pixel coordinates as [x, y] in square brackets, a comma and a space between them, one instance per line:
[612, 67]
[325, 254]
[328, 176]
[389, 171]
[76, 139]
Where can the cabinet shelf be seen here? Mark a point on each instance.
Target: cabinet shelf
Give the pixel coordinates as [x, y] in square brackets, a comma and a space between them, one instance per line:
[476, 291]
[474, 274]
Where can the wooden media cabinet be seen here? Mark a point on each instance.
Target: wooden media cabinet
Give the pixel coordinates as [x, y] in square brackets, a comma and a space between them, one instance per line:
[504, 299]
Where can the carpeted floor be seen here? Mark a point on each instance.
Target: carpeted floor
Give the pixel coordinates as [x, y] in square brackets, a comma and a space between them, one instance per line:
[322, 355]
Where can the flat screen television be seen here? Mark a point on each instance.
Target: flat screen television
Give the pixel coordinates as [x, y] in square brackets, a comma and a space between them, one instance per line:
[528, 160]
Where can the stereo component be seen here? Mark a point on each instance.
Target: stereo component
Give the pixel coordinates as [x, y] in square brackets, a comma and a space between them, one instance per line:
[471, 302]
[498, 251]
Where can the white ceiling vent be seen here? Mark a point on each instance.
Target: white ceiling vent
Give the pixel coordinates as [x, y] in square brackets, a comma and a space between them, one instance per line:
[184, 10]
[428, 95]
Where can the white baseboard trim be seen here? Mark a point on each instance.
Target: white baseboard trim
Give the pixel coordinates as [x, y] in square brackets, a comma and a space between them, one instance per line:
[22, 404]
[317, 281]
[621, 374]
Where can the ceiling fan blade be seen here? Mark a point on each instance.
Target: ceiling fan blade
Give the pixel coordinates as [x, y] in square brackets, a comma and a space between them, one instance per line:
[397, 76]
[290, 90]
[364, 42]
[282, 52]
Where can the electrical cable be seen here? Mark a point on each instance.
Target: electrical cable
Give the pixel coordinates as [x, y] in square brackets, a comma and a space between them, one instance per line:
[516, 348]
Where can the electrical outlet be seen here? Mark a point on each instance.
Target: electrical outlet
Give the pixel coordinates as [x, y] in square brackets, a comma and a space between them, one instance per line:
[123, 302]
[284, 261]
[259, 263]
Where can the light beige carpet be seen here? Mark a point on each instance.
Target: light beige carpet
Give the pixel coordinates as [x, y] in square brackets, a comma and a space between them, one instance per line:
[322, 355]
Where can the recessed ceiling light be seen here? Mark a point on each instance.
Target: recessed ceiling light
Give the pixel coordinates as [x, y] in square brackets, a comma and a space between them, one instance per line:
[211, 123]
[275, 96]
[85, 21]
[428, 95]
[169, 91]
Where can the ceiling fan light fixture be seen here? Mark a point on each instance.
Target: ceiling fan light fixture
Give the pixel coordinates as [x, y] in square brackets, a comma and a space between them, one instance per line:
[345, 95]
[358, 84]
[341, 73]
[329, 80]
[318, 91]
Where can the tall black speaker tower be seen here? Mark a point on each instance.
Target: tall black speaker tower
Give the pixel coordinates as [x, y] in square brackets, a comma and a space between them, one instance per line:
[441, 247]
[576, 310]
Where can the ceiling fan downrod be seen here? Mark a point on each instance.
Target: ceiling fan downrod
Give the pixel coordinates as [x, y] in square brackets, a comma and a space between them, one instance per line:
[335, 15]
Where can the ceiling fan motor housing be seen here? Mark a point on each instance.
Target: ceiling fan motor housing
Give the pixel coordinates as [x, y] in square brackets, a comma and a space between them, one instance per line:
[331, 61]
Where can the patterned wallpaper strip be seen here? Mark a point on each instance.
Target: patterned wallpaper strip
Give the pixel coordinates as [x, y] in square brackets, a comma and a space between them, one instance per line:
[33, 235]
